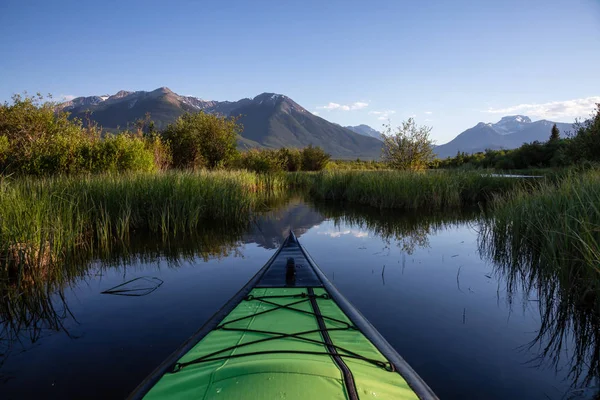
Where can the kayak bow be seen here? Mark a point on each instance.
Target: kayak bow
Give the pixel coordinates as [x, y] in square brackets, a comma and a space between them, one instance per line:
[288, 333]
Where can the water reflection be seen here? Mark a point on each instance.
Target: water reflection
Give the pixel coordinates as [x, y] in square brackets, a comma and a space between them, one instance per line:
[568, 299]
[40, 302]
[271, 228]
[407, 230]
[32, 299]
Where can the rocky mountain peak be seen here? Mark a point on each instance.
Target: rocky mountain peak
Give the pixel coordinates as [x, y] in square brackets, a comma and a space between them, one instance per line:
[511, 124]
[162, 90]
[120, 94]
[523, 119]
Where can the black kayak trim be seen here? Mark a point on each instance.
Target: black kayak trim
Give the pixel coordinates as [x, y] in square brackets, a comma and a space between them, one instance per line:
[348, 378]
[169, 363]
[364, 326]
[415, 382]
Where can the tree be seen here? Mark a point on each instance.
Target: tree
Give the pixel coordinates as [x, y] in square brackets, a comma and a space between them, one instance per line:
[554, 134]
[585, 144]
[202, 140]
[314, 158]
[410, 147]
[291, 159]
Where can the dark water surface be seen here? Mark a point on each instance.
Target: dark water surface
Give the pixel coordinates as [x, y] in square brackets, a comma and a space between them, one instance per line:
[420, 280]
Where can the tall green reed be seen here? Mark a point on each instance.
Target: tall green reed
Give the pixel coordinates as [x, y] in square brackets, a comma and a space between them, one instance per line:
[41, 219]
[546, 244]
[431, 191]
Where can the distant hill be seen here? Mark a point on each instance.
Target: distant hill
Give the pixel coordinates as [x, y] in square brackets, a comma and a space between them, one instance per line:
[508, 133]
[365, 130]
[270, 120]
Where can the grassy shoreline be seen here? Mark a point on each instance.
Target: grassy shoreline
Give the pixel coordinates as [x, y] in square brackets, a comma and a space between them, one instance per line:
[547, 245]
[542, 234]
[43, 219]
[429, 191]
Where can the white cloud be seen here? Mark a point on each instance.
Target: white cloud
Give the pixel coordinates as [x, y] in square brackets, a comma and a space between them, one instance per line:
[353, 232]
[67, 97]
[357, 105]
[383, 115]
[331, 106]
[553, 110]
[428, 112]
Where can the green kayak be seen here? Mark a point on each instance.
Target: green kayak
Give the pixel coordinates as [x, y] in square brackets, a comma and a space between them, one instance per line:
[288, 334]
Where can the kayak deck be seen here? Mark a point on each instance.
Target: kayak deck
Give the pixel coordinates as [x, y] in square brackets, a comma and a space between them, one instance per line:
[291, 367]
[286, 335]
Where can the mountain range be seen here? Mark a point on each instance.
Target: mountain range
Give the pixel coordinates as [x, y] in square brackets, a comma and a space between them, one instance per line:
[273, 120]
[508, 133]
[365, 130]
[269, 120]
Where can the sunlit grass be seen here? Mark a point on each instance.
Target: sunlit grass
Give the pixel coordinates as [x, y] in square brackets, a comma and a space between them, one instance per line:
[432, 190]
[43, 218]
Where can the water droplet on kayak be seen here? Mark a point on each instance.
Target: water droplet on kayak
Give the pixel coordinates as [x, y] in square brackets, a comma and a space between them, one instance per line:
[219, 390]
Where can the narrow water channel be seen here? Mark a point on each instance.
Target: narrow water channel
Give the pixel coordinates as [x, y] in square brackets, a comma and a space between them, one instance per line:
[423, 281]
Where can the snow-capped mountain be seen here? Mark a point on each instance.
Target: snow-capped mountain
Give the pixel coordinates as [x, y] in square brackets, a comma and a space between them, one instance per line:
[511, 124]
[508, 133]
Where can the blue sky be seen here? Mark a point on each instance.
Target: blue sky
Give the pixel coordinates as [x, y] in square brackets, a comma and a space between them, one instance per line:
[450, 64]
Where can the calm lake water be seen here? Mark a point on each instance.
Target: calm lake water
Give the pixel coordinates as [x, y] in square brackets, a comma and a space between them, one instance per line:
[420, 280]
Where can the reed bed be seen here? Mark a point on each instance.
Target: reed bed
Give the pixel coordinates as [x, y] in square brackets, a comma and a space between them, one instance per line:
[559, 223]
[41, 219]
[546, 244]
[429, 191]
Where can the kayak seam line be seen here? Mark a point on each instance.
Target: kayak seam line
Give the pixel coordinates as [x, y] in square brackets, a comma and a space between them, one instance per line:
[214, 371]
[347, 376]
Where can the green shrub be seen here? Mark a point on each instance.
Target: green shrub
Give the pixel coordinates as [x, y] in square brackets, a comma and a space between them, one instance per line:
[291, 159]
[314, 158]
[202, 140]
[4, 151]
[160, 150]
[117, 153]
[262, 161]
[38, 140]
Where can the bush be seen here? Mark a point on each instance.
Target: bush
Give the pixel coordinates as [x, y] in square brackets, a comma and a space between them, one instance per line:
[314, 158]
[116, 153]
[161, 151]
[262, 161]
[4, 149]
[202, 140]
[36, 138]
[291, 159]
